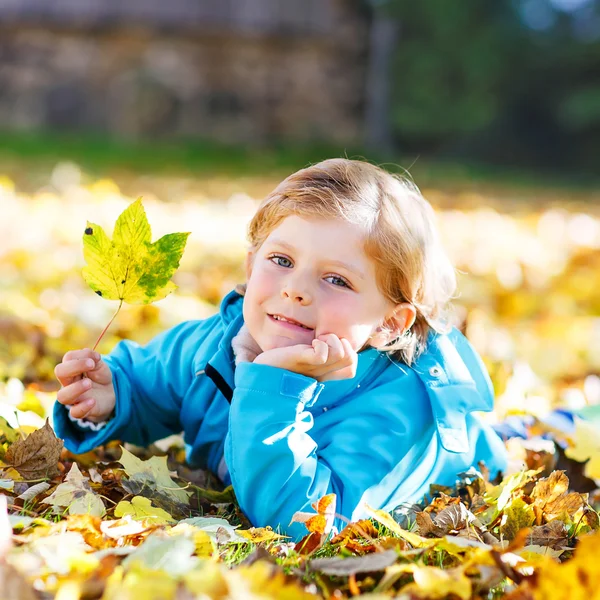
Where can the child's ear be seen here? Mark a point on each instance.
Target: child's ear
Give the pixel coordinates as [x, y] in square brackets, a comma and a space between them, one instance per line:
[398, 321]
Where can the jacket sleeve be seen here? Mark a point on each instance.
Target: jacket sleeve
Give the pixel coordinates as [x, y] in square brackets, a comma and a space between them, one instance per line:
[275, 465]
[150, 382]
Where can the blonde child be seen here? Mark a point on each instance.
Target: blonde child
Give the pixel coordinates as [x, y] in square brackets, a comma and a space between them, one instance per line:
[331, 370]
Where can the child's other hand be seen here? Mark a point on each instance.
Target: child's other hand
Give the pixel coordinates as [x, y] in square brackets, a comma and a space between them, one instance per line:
[92, 397]
[328, 358]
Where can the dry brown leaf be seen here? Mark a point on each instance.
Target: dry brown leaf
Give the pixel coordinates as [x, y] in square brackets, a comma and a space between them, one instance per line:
[550, 488]
[552, 497]
[553, 534]
[37, 455]
[359, 529]
[425, 523]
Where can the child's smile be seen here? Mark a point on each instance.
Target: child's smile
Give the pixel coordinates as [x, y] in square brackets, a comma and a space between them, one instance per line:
[312, 277]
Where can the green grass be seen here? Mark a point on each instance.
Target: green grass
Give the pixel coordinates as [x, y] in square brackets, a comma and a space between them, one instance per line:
[101, 156]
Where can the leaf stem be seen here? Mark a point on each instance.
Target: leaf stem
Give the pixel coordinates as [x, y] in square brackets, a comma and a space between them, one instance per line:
[109, 324]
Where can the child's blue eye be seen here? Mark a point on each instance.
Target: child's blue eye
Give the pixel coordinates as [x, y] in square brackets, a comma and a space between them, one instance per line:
[342, 282]
[287, 263]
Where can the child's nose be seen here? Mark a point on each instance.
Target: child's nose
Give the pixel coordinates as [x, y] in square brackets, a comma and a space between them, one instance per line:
[296, 292]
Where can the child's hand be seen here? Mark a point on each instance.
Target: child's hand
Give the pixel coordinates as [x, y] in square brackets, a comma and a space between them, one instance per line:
[328, 358]
[92, 397]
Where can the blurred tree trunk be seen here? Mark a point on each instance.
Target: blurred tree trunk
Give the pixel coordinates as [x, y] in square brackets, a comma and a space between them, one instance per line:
[383, 36]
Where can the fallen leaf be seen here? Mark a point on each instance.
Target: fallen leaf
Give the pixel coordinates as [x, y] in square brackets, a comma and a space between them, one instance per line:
[342, 567]
[517, 515]
[171, 554]
[257, 535]
[153, 473]
[76, 494]
[11, 435]
[123, 527]
[7, 484]
[37, 455]
[434, 583]
[586, 447]
[218, 529]
[35, 490]
[141, 508]
[386, 519]
[359, 529]
[552, 497]
[575, 579]
[322, 522]
[553, 535]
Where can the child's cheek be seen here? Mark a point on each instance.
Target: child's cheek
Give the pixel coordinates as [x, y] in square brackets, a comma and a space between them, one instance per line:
[340, 318]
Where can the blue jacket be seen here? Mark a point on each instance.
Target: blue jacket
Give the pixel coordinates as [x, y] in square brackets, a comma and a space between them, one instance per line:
[284, 439]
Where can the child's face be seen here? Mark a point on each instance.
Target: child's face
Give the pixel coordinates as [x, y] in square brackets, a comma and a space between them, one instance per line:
[298, 274]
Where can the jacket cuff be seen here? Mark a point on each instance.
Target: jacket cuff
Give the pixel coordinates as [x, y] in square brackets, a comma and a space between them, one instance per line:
[268, 380]
[86, 424]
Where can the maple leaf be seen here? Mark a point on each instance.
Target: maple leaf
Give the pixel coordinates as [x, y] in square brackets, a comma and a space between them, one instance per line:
[153, 473]
[37, 455]
[76, 494]
[141, 508]
[131, 268]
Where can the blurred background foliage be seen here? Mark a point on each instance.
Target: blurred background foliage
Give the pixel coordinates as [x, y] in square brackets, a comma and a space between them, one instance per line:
[514, 82]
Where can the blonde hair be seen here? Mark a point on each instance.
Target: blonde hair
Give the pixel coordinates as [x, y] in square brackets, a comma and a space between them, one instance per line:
[401, 238]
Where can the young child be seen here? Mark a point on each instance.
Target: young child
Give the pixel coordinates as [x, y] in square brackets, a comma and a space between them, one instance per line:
[331, 370]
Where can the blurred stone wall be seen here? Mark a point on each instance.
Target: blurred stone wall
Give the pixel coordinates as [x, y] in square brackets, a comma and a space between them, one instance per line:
[249, 71]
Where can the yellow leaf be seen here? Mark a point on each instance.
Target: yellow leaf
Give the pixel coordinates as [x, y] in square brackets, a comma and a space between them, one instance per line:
[141, 508]
[139, 583]
[586, 446]
[517, 515]
[386, 519]
[154, 473]
[575, 579]
[31, 402]
[259, 534]
[130, 268]
[76, 494]
[203, 542]
[436, 583]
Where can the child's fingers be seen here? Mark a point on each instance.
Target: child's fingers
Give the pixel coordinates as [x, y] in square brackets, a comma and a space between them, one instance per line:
[321, 352]
[67, 371]
[73, 392]
[82, 409]
[84, 353]
[336, 350]
[345, 368]
[349, 353]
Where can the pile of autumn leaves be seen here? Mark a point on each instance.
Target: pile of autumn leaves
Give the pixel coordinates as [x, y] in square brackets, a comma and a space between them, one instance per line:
[124, 528]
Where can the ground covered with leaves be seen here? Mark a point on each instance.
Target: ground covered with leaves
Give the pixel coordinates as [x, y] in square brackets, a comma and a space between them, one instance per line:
[125, 522]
